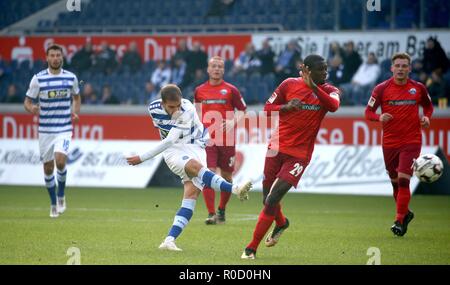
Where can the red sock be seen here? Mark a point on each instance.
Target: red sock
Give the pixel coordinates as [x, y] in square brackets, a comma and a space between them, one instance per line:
[224, 198]
[403, 198]
[280, 219]
[265, 220]
[209, 195]
[395, 188]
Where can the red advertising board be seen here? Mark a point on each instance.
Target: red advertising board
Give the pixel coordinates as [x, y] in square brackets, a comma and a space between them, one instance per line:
[150, 47]
[334, 130]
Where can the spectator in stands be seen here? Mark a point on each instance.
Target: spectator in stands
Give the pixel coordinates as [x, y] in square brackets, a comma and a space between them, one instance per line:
[107, 97]
[131, 58]
[161, 75]
[351, 61]
[151, 93]
[179, 76]
[434, 57]
[219, 8]
[83, 59]
[12, 96]
[417, 72]
[266, 56]
[335, 64]
[286, 63]
[335, 50]
[437, 87]
[5, 70]
[89, 96]
[363, 81]
[247, 61]
[105, 59]
[22, 53]
[198, 60]
[183, 51]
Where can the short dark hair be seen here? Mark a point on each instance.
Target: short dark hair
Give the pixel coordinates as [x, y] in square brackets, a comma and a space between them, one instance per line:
[312, 59]
[401, 55]
[170, 92]
[54, 47]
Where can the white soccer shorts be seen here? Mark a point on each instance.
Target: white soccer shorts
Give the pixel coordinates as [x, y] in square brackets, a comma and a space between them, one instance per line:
[51, 143]
[178, 155]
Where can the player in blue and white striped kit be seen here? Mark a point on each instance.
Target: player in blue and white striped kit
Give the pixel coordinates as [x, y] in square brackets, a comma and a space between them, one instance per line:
[183, 141]
[57, 90]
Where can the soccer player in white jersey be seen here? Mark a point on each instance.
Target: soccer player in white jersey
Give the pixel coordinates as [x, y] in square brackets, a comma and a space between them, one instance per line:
[56, 90]
[183, 141]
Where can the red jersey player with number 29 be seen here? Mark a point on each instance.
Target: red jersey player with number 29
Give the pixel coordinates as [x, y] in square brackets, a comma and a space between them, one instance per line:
[399, 98]
[302, 103]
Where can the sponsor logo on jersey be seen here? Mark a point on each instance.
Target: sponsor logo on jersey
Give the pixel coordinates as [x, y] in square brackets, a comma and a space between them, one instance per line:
[214, 101]
[412, 91]
[223, 91]
[401, 102]
[57, 93]
[310, 107]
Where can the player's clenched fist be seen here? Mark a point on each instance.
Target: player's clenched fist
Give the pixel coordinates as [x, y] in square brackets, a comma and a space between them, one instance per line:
[293, 105]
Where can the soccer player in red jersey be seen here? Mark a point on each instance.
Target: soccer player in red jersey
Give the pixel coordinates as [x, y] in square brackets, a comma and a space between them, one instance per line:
[399, 98]
[218, 100]
[302, 103]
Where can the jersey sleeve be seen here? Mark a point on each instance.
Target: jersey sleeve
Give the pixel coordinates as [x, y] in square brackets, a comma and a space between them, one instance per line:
[237, 100]
[372, 105]
[425, 101]
[278, 98]
[75, 87]
[196, 99]
[33, 89]
[329, 97]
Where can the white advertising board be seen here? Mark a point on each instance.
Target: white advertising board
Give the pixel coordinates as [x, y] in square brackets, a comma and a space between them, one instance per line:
[383, 44]
[341, 169]
[90, 163]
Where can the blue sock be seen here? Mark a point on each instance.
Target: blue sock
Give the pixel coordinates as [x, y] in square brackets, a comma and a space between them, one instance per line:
[182, 218]
[61, 177]
[214, 181]
[51, 187]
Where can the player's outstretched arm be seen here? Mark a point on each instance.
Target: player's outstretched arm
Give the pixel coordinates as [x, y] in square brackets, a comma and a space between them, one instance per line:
[171, 138]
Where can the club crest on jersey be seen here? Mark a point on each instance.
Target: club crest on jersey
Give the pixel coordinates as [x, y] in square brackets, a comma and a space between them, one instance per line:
[223, 91]
[412, 91]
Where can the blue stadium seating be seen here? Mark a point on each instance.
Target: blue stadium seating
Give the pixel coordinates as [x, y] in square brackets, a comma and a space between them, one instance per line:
[292, 14]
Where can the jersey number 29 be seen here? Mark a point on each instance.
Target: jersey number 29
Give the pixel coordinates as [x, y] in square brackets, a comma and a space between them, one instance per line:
[296, 170]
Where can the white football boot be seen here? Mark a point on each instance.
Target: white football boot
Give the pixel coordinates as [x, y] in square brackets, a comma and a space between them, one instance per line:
[242, 190]
[61, 205]
[169, 245]
[53, 212]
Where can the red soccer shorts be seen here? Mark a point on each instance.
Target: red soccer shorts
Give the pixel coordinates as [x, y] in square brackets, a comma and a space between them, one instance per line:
[221, 156]
[283, 166]
[400, 159]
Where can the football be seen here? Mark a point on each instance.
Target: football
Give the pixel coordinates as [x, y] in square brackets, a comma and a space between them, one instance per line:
[428, 168]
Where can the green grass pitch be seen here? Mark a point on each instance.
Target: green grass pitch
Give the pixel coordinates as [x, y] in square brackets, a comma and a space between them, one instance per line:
[118, 226]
